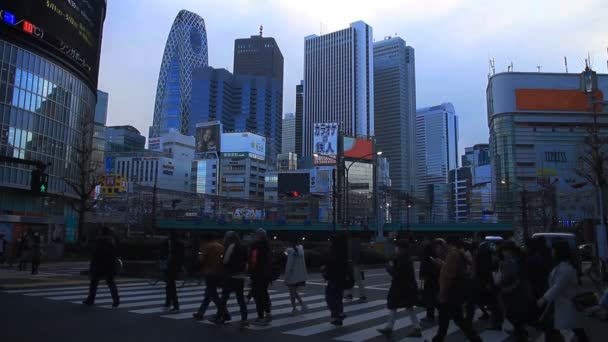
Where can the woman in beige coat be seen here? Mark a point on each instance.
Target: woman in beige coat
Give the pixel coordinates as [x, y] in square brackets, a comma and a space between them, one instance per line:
[563, 285]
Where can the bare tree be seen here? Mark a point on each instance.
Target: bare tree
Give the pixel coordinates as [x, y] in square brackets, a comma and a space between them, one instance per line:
[83, 179]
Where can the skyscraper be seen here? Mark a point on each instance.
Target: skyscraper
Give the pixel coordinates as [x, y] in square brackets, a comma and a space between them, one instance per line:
[395, 109]
[338, 82]
[185, 50]
[289, 134]
[258, 70]
[299, 118]
[99, 129]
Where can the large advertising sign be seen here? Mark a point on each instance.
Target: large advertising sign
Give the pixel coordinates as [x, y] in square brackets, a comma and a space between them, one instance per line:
[250, 144]
[358, 148]
[294, 181]
[325, 140]
[208, 136]
[68, 29]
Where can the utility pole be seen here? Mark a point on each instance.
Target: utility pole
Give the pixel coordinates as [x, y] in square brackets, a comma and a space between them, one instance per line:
[524, 213]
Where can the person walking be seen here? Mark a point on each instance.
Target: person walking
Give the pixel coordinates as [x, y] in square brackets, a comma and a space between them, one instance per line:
[173, 252]
[487, 290]
[354, 252]
[36, 252]
[563, 286]
[339, 276]
[235, 266]
[103, 266]
[452, 293]
[403, 292]
[295, 274]
[260, 269]
[211, 264]
[24, 251]
[429, 274]
[3, 250]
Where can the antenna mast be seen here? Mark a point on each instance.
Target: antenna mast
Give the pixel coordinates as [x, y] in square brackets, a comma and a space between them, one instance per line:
[538, 67]
[566, 63]
[261, 29]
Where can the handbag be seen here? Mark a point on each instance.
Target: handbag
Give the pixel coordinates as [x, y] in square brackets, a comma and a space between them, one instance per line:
[584, 300]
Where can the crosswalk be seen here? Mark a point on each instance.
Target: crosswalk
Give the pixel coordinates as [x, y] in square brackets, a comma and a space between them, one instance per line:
[361, 324]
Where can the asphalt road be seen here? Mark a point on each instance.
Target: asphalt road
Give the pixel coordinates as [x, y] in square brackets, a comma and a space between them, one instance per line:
[33, 312]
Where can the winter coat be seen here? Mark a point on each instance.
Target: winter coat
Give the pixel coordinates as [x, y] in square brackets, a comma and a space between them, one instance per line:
[212, 258]
[260, 261]
[104, 256]
[563, 285]
[337, 268]
[451, 272]
[174, 252]
[36, 248]
[403, 292]
[295, 268]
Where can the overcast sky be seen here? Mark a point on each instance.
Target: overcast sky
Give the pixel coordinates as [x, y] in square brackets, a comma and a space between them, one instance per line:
[454, 40]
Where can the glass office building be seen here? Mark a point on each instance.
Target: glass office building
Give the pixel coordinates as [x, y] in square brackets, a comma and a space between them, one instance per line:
[185, 50]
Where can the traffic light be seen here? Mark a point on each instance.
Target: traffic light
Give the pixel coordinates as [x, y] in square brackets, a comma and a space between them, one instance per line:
[293, 194]
[39, 182]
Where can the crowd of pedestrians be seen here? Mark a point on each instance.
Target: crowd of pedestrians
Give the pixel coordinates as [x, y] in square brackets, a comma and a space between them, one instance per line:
[23, 250]
[531, 287]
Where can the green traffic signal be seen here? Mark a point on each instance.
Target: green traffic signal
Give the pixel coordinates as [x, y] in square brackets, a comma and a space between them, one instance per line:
[43, 188]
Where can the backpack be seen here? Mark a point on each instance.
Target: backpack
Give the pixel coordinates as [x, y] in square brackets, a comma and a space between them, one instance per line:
[238, 259]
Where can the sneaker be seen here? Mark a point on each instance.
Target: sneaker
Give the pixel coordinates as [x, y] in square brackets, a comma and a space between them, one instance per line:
[342, 316]
[216, 320]
[197, 316]
[386, 331]
[174, 309]
[115, 304]
[304, 308]
[417, 332]
[268, 317]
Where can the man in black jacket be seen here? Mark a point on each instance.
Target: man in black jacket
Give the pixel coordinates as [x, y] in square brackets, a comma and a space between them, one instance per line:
[103, 266]
[339, 275]
[174, 255]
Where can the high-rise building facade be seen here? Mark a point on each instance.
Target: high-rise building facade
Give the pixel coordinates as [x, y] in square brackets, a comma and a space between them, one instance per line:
[395, 109]
[215, 97]
[124, 139]
[436, 155]
[339, 82]
[47, 112]
[289, 134]
[99, 130]
[185, 50]
[258, 56]
[538, 124]
[299, 117]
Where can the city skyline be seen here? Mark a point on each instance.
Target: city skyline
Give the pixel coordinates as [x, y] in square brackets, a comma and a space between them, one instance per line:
[462, 51]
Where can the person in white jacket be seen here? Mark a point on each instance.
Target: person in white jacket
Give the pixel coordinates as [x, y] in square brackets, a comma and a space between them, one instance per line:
[295, 274]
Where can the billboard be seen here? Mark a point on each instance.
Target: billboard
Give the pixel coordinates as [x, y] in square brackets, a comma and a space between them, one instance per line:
[252, 144]
[294, 181]
[358, 148]
[68, 30]
[325, 140]
[208, 137]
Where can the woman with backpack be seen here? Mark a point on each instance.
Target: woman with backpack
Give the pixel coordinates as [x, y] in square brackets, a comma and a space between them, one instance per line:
[403, 292]
[295, 274]
[260, 268]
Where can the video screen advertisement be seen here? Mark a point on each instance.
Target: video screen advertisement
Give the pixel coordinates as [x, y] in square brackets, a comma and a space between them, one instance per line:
[208, 137]
[358, 148]
[66, 31]
[325, 140]
[296, 181]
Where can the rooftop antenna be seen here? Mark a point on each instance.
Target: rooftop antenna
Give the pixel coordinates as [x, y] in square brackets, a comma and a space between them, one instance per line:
[589, 59]
[492, 66]
[566, 63]
[607, 59]
[510, 67]
[538, 67]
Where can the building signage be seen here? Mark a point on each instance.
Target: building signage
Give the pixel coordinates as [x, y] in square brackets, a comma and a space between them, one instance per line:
[244, 145]
[208, 137]
[325, 140]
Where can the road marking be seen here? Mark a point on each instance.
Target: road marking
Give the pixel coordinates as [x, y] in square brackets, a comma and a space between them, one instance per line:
[23, 291]
[317, 315]
[127, 293]
[86, 290]
[429, 333]
[351, 320]
[153, 296]
[369, 333]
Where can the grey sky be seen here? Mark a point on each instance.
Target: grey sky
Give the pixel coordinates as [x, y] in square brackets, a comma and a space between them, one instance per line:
[453, 40]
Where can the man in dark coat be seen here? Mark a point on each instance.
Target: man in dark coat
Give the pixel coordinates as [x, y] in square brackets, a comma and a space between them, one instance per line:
[173, 253]
[429, 274]
[103, 266]
[339, 276]
[260, 268]
[36, 252]
[403, 292]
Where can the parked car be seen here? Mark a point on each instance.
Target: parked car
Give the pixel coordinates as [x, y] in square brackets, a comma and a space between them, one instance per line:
[550, 238]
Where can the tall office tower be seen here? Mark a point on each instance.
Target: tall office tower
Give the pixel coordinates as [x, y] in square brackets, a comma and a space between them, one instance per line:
[395, 109]
[258, 68]
[436, 155]
[214, 97]
[299, 118]
[339, 82]
[185, 50]
[289, 134]
[99, 129]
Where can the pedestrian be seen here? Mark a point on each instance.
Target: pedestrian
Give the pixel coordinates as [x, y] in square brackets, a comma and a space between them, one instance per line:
[339, 276]
[211, 264]
[24, 251]
[3, 250]
[488, 292]
[403, 292]
[103, 266]
[563, 286]
[15, 253]
[515, 292]
[260, 269]
[452, 293]
[235, 266]
[429, 274]
[173, 253]
[36, 252]
[354, 249]
[295, 274]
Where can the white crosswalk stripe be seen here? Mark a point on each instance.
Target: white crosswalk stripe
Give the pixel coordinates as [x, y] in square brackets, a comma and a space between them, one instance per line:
[360, 325]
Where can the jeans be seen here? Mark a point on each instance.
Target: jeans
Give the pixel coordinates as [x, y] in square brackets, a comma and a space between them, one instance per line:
[259, 288]
[211, 295]
[111, 285]
[237, 286]
[358, 282]
[171, 290]
[450, 311]
[333, 297]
